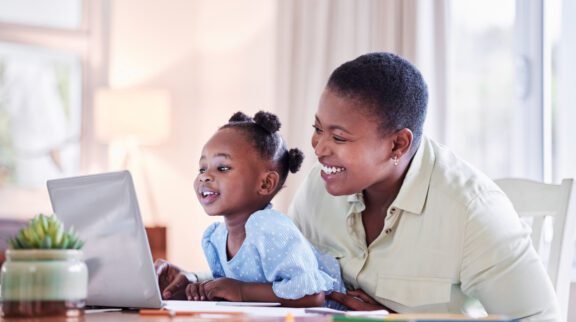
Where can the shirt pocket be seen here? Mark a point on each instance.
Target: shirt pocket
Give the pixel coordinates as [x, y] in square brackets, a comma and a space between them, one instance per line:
[414, 291]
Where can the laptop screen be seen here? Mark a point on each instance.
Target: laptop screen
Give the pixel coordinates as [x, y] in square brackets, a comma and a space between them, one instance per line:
[103, 209]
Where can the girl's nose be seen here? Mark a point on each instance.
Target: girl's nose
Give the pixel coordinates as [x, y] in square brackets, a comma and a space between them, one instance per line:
[205, 177]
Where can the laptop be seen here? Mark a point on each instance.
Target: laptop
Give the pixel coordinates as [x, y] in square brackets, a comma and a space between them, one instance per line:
[104, 212]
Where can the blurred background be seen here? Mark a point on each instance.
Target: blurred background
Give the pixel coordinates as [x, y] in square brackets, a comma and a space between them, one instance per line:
[89, 86]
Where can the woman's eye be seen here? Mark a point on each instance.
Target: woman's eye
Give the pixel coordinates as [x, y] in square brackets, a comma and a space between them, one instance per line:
[317, 129]
[223, 168]
[339, 139]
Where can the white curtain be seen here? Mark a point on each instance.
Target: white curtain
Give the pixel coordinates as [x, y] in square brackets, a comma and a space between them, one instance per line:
[316, 36]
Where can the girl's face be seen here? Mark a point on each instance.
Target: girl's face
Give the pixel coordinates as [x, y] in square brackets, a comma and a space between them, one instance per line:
[353, 153]
[229, 175]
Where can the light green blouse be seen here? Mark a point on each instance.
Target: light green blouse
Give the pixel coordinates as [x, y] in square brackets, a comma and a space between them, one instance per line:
[451, 238]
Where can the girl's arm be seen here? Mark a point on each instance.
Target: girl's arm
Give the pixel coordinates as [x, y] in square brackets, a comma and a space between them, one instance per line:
[259, 292]
[237, 291]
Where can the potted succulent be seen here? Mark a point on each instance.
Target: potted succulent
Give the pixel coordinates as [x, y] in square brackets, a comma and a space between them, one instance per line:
[44, 274]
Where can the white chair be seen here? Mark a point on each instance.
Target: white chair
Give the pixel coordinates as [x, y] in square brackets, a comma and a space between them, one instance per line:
[536, 201]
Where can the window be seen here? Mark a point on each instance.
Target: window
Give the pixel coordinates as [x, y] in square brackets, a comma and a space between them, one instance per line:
[502, 97]
[506, 114]
[482, 95]
[65, 14]
[40, 109]
[45, 69]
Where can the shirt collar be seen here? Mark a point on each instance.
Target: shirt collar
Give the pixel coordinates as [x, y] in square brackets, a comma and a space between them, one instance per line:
[414, 191]
[356, 203]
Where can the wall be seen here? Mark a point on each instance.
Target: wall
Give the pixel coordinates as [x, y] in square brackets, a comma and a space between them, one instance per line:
[215, 57]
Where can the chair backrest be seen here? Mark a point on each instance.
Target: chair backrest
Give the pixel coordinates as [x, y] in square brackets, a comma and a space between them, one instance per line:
[538, 201]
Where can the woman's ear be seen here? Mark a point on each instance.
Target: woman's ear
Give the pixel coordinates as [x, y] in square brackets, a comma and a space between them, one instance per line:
[269, 183]
[402, 142]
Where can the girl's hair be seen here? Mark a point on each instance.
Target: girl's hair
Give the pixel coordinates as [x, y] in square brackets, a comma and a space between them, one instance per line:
[391, 88]
[262, 132]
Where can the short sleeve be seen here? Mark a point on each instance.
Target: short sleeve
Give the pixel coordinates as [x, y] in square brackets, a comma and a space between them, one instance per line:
[288, 260]
[210, 247]
[295, 210]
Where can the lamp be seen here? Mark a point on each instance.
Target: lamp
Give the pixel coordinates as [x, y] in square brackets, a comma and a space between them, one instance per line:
[131, 114]
[126, 119]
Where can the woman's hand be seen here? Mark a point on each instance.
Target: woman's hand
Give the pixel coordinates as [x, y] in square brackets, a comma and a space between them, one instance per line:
[357, 300]
[172, 280]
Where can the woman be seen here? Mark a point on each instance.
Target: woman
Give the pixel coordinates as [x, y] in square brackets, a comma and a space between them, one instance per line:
[415, 228]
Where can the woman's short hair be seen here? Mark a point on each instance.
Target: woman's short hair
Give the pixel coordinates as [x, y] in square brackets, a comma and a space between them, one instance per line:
[389, 88]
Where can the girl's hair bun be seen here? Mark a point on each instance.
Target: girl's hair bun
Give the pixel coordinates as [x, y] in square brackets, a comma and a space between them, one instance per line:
[268, 121]
[295, 158]
[239, 117]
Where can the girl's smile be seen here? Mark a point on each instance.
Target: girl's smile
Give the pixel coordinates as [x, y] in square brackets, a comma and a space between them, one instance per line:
[207, 197]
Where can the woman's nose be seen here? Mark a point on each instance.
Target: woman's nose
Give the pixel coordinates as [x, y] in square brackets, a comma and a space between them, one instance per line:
[320, 147]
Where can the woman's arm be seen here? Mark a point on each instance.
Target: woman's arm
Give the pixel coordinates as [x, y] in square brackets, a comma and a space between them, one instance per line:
[237, 291]
[357, 300]
[500, 267]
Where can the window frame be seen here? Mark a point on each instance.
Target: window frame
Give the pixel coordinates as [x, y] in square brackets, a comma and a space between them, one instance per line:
[90, 43]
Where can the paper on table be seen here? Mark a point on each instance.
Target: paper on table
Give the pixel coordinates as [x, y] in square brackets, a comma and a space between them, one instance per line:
[325, 310]
[369, 314]
[207, 306]
[248, 303]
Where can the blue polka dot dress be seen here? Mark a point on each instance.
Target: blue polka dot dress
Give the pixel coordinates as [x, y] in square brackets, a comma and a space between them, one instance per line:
[274, 251]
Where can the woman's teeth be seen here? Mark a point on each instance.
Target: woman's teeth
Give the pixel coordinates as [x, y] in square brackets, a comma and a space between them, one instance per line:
[209, 193]
[331, 170]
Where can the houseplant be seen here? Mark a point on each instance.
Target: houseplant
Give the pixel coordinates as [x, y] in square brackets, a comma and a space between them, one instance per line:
[44, 274]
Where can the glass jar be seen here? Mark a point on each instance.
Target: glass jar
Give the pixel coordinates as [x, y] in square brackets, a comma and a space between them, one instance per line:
[43, 282]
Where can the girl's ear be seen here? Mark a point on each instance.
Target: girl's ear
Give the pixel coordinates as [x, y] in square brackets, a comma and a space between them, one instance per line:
[269, 183]
[402, 142]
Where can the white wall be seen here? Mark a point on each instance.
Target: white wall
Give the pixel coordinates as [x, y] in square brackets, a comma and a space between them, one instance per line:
[215, 57]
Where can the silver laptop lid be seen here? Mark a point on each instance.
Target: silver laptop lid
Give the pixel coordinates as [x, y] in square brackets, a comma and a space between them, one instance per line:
[104, 211]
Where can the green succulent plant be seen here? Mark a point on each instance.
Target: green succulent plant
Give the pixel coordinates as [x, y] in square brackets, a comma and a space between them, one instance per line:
[45, 232]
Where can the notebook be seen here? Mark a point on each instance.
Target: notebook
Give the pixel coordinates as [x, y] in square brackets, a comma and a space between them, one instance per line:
[104, 211]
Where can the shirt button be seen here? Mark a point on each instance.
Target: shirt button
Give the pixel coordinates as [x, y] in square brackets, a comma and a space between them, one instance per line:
[388, 231]
[393, 210]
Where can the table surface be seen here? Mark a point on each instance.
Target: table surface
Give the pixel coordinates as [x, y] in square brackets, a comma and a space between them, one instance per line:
[133, 316]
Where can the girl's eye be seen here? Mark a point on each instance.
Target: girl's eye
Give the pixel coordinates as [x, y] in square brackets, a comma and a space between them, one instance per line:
[224, 168]
[201, 170]
[317, 129]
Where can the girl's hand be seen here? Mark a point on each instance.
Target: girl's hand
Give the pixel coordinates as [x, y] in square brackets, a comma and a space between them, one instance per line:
[172, 280]
[357, 300]
[195, 292]
[223, 289]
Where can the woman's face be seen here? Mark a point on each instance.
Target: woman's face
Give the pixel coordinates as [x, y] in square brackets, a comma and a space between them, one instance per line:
[353, 153]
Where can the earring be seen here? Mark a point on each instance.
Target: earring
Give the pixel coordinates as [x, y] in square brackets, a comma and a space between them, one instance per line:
[396, 160]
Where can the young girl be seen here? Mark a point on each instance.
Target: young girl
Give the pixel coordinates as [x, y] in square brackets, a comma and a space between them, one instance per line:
[257, 254]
